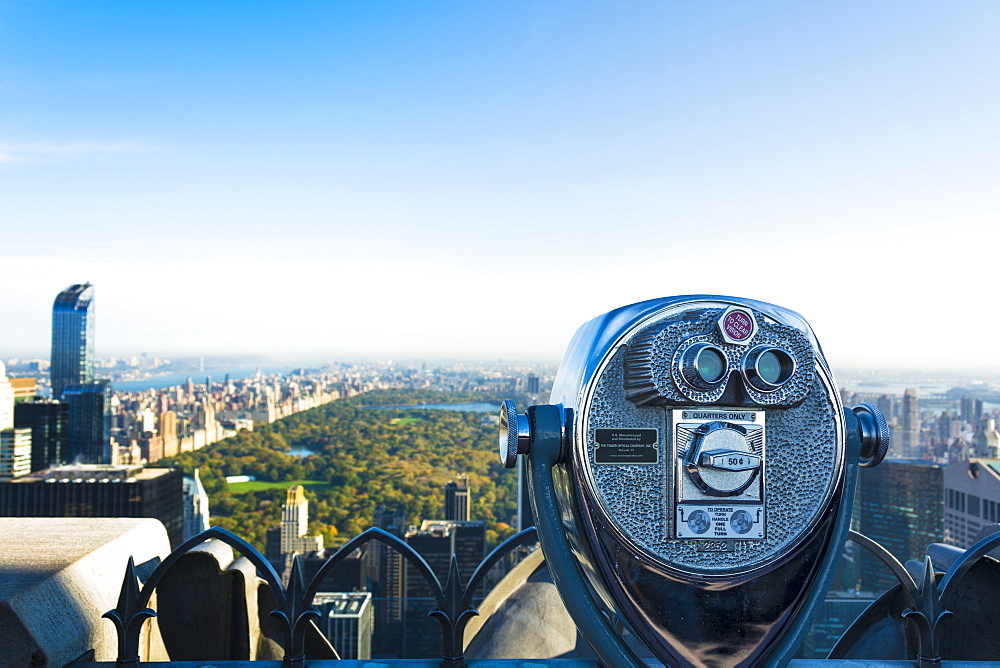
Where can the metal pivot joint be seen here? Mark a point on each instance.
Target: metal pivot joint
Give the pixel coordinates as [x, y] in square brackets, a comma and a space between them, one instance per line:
[874, 433]
[518, 432]
[515, 434]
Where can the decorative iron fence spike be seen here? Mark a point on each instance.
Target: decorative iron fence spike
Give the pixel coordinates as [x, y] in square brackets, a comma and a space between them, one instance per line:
[129, 616]
[294, 604]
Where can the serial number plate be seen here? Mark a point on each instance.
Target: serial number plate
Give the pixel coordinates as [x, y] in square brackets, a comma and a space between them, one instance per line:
[725, 545]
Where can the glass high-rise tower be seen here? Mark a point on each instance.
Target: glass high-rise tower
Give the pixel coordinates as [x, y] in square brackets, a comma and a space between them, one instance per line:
[72, 338]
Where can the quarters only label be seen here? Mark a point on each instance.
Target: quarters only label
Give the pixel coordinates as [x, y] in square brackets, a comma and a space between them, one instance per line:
[626, 446]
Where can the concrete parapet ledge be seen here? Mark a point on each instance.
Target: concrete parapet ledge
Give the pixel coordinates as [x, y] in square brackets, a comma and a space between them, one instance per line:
[59, 575]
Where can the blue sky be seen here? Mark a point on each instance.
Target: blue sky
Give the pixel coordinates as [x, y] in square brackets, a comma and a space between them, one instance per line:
[479, 178]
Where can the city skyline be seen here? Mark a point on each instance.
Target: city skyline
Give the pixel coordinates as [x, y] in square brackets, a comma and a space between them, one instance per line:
[351, 180]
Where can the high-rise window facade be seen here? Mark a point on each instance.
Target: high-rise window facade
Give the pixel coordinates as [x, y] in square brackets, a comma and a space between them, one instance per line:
[72, 338]
[911, 424]
[48, 421]
[89, 433]
[456, 499]
[900, 504]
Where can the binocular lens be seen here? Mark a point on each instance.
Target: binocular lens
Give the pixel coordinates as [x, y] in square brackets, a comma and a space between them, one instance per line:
[768, 368]
[704, 366]
[711, 365]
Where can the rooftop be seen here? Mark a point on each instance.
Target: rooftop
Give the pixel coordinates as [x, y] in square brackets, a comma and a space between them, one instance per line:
[93, 473]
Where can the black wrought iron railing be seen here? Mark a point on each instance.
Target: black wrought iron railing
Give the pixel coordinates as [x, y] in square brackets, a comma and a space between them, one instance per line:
[294, 603]
[933, 597]
[928, 599]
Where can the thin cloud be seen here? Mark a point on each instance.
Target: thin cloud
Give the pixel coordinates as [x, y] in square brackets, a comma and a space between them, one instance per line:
[12, 152]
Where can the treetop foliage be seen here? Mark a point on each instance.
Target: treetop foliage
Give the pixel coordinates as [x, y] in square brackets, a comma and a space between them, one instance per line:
[400, 458]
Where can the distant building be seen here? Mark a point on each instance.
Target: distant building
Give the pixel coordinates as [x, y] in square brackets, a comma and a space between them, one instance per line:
[89, 440]
[949, 427]
[389, 588]
[272, 548]
[15, 453]
[456, 499]
[986, 441]
[24, 388]
[15, 444]
[533, 384]
[195, 506]
[900, 504]
[347, 621]
[837, 612]
[72, 376]
[72, 338]
[887, 404]
[150, 446]
[98, 491]
[971, 411]
[295, 524]
[971, 500]
[354, 573]
[436, 541]
[6, 400]
[848, 397]
[48, 421]
[911, 425]
[166, 427]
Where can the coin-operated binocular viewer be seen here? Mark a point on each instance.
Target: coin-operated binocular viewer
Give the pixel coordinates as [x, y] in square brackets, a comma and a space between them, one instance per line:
[692, 480]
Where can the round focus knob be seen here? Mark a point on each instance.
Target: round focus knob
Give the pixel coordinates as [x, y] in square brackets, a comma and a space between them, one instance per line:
[874, 432]
[514, 436]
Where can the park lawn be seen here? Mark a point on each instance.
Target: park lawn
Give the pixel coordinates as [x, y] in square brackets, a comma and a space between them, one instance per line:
[404, 420]
[315, 486]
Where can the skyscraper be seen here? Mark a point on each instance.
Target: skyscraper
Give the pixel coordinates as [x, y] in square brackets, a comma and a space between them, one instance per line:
[48, 421]
[6, 400]
[390, 585]
[196, 516]
[900, 504]
[456, 499]
[89, 422]
[15, 453]
[986, 441]
[971, 499]
[347, 620]
[295, 524]
[437, 541]
[887, 404]
[911, 424]
[98, 491]
[72, 338]
[15, 444]
[972, 410]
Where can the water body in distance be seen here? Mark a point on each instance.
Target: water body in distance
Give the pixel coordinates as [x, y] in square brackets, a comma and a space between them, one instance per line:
[174, 379]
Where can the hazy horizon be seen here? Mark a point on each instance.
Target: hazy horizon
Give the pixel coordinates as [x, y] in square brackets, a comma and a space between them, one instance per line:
[914, 373]
[477, 180]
